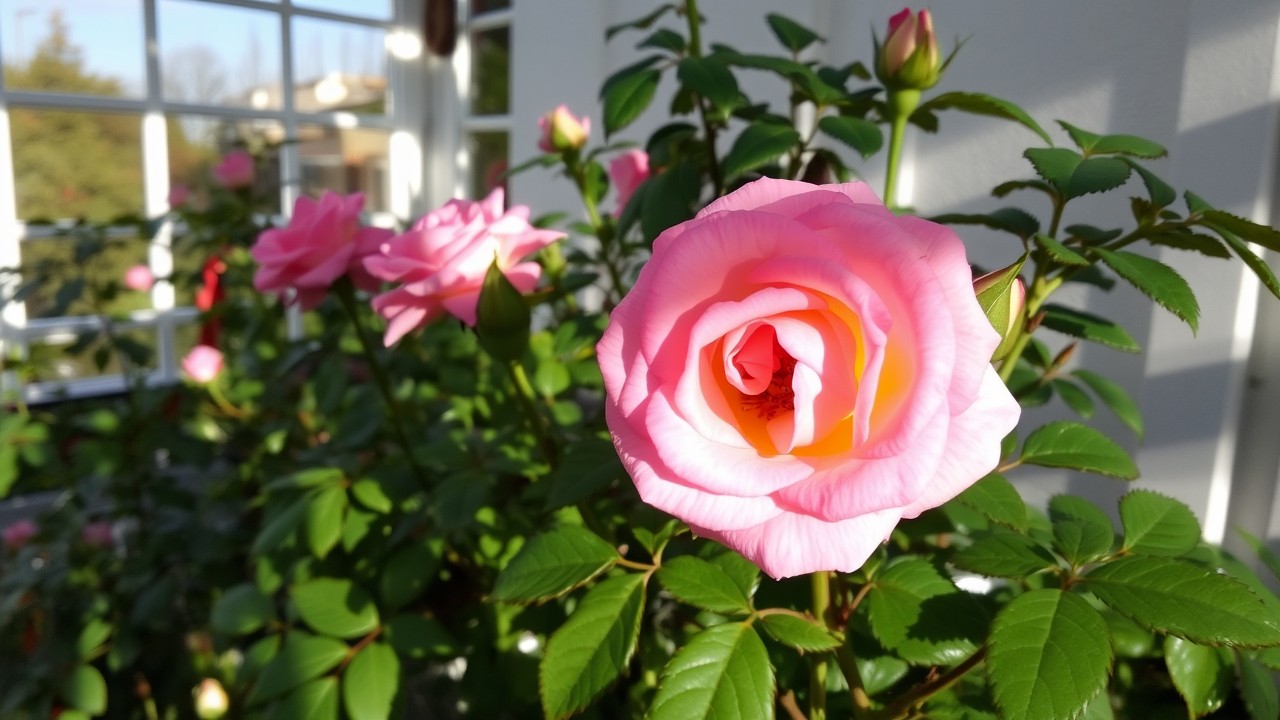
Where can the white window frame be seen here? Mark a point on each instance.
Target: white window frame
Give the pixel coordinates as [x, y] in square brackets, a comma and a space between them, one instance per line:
[463, 69]
[417, 83]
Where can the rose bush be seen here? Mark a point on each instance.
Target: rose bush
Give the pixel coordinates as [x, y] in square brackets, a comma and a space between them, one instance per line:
[796, 370]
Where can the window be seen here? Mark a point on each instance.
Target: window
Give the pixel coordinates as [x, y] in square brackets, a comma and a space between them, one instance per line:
[484, 68]
[94, 129]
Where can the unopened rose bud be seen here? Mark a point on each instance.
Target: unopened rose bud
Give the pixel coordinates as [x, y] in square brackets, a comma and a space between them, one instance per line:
[139, 278]
[909, 58]
[561, 131]
[211, 700]
[202, 364]
[1003, 297]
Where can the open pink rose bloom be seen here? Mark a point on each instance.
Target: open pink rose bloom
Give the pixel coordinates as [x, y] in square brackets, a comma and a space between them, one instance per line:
[440, 263]
[797, 369]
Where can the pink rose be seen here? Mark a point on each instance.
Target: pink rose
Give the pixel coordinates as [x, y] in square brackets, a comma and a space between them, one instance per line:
[235, 170]
[561, 131]
[18, 534]
[909, 57]
[441, 261]
[797, 369]
[202, 364]
[628, 171]
[97, 534]
[139, 278]
[178, 195]
[323, 241]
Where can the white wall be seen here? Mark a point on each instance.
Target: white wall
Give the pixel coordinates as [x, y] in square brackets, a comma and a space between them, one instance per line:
[1198, 77]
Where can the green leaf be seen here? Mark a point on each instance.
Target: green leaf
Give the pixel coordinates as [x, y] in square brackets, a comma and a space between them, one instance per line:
[1087, 326]
[502, 317]
[1060, 252]
[806, 83]
[918, 613]
[84, 689]
[626, 97]
[1157, 525]
[760, 144]
[308, 478]
[1071, 445]
[799, 633]
[1002, 553]
[997, 499]
[1130, 639]
[324, 519]
[91, 637]
[879, 673]
[316, 700]
[669, 199]
[981, 104]
[1258, 690]
[711, 79]
[743, 572]
[1075, 398]
[551, 564]
[1203, 675]
[1259, 266]
[1002, 299]
[1114, 397]
[1081, 532]
[723, 672]
[664, 39]
[370, 493]
[416, 637]
[1183, 239]
[1160, 192]
[1157, 281]
[280, 527]
[642, 23]
[699, 583]
[1093, 144]
[863, 136]
[1267, 237]
[241, 610]
[409, 571]
[592, 648]
[1011, 220]
[370, 683]
[1049, 655]
[302, 657]
[1181, 598]
[335, 606]
[1268, 558]
[793, 36]
[1074, 175]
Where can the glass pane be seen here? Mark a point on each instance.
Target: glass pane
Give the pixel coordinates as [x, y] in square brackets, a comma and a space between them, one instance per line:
[339, 66]
[92, 355]
[490, 71]
[94, 47]
[219, 55]
[198, 142]
[380, 9]
[488, 153]
[345, 160]
[83, 274]
[69, 165]
[480, 7]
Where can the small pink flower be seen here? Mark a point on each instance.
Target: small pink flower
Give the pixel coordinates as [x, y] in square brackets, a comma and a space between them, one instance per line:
[139, 278]
[322, 242]
[18, 534]
[178, 195]
[235, 170]
[97, 534]
[909, 57]
[202, 364]
[628, 171]
[561, 131]
[797, 369]
[440, 263]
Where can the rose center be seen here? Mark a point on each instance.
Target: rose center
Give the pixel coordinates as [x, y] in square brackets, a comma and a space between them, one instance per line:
[778, 396]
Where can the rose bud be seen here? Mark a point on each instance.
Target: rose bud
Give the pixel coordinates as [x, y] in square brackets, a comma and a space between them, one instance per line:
[211, 700]
[909, 58]
[202, 364]
[139, 278]
[561, 131]
[1003, 297]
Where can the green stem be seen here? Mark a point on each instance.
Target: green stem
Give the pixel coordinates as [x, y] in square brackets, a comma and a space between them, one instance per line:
[529, 404]
[820, 586]
[347, 296]
[902, 707]
[603, 232]
[900, 104]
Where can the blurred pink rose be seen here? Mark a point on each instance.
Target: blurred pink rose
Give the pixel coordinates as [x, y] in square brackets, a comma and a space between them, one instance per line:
[97, 534]
[139, 278]
[561, 131]
[628, 171]
[202, 364]
[797, 369]
[178, 195]
[322, 242]
[235, 170]
[441, 261]
[18, 534]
